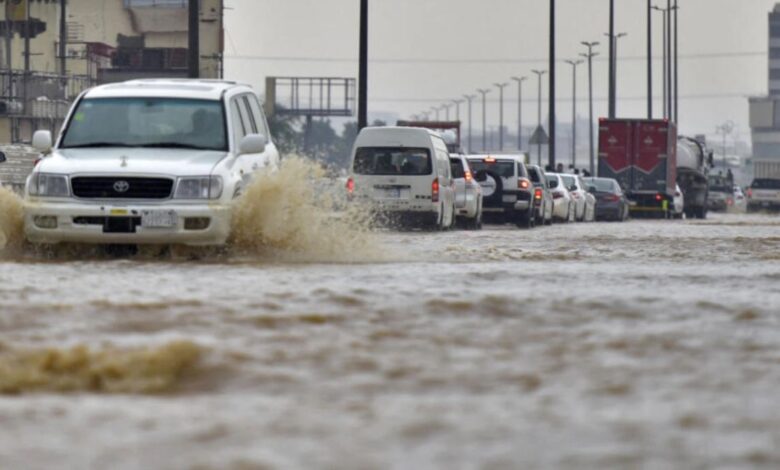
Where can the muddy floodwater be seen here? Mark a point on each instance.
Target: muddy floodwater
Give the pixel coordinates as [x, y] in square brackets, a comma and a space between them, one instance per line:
[641, 345]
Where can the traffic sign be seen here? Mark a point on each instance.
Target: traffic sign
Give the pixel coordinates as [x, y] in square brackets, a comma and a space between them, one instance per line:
[540, 137]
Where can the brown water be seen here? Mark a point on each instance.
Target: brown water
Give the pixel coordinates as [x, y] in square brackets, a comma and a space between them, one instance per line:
[639, 345]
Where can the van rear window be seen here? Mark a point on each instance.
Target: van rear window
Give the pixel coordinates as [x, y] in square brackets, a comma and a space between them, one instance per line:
[392, 161]
[766, 184]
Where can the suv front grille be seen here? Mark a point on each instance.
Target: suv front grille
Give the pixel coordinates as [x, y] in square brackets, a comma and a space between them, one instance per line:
[115, 187]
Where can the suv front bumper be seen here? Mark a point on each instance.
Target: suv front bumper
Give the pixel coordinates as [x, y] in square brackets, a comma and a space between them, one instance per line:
[96, 223]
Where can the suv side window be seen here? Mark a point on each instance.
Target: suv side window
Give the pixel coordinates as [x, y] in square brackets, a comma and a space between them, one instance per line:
[257, 111]
[442, 158]
[239, 126]
[521, 171]
[534, 175]
[247, 110]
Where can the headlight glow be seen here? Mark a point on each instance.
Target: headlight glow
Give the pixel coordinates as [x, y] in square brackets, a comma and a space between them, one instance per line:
[199, 187]
[49, 185]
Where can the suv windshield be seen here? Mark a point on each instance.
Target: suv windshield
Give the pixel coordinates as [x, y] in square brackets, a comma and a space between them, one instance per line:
[392, 161]
[147, 122]
[765, 184]
[569, 181]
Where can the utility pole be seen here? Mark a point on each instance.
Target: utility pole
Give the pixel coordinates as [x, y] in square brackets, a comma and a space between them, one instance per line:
[436, 110]
[484, 93]
[26, 81]
[363, 72]
[539, 74]
[520, 81]
[676, 70]
[193, 59]
[612, 94]
[501, 87]
[551, 146]
[469, 99]
[590, 55]
[63, 38]
[615, 38]
[669, 58]
[649, 59]
[446, 108]
[574, 64]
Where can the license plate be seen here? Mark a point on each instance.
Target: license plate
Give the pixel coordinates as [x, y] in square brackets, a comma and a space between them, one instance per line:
[390, 193]
[509, 198]
[158, 219]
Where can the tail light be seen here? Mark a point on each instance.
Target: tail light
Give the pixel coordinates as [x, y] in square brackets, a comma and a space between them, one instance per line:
[523, 183]
[350, 186]
[730, 202]
[538, 194]
[611, 198]
[750, 193]
[659, 197]
[435, 190]
[468, 176]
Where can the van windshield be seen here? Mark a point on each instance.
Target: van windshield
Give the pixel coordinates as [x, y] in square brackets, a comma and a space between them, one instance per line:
[392, 161]
[147, 122]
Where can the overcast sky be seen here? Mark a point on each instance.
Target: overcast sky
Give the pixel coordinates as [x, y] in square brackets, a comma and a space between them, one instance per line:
[425, 52]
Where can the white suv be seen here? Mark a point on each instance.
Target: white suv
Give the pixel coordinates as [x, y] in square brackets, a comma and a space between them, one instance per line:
[148, 162]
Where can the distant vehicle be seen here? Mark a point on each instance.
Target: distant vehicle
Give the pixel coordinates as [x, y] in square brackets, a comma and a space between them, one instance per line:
[642, 156]
[564, 206]
[507, 191]
[543, 200]
[585, 203]
[404, 174]
[468, 193]
[764, 193]
[694, 162]
[611, 202]
[740, 199]
[721, 196]
[677, 209]
[148, 162]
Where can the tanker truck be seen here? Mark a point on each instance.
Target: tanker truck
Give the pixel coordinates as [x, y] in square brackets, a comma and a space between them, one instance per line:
[694, 161]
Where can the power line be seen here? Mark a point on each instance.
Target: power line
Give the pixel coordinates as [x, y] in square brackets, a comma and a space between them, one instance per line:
[482, 61]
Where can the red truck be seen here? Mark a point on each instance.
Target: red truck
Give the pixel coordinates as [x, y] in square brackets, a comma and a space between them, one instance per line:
[641, 155]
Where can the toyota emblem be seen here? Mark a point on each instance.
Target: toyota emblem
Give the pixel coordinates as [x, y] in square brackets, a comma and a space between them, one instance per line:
[121, 186]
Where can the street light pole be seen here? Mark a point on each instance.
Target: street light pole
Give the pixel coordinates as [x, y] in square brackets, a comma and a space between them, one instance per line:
[469, 99]
[539, 74]
[484, 93]
[669, 58]
[664, 12]
[574, 64]
[612, 94]
[615, 38]
[363, 67]
[520, 81]
[590, 55]
[552, 124]
[676, 75]
[649, 59]
[457, 104]
[436, 110]
[446, 108]
[501, 87]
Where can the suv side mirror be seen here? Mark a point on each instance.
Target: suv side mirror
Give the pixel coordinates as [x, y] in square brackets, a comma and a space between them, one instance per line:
[42, 141]
[252, 143]
[3, 157]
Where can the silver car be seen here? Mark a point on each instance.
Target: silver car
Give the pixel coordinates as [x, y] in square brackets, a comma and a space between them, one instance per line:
[468, 193]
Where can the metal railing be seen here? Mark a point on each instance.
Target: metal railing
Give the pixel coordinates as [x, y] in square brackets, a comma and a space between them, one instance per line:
[39, 94]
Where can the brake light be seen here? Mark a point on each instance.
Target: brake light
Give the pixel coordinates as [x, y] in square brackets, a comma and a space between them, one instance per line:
[730, 202]
[750, 193]
[659, 197]
[350, 186]
[435, 190]
[612, 198]
[468, 176]
[490, 160]
[538, 194]
[523, 183]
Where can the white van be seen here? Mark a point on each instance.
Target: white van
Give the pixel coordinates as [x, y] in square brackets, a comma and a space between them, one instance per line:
[403, 173]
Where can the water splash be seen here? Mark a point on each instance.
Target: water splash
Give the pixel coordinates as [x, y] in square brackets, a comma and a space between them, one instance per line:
[11, 220]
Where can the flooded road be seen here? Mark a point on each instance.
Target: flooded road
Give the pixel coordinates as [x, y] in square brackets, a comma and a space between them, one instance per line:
[640, 345]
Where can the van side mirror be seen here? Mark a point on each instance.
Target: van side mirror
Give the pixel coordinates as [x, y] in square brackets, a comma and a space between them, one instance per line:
[252, 143]
[42, 141]
[3, 157]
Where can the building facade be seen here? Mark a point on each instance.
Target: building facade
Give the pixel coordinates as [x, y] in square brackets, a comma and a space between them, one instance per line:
[765, 110]
[104, 41]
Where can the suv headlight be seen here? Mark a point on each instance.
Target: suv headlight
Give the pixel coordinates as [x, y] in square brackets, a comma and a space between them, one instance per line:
[49, 185]
[199, 187]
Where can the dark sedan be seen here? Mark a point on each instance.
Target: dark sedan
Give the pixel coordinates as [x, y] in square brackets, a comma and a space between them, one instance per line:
[611, 202]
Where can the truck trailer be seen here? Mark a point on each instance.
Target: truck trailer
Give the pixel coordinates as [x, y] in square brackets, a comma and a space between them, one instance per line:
[641, 154]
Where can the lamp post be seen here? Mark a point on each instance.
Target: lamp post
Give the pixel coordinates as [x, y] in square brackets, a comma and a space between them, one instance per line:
[436, 110]
[484, 93]
[519, 81]
[649, 59]
[457, 104]
[574, 64]
[551, 116]
[469, 99]
[590, 55]
[615, 38]
[676, 75]
[539, 74]
[612, 54]
[363, 67]
[665, 14]
[501, 87]
[446, 107]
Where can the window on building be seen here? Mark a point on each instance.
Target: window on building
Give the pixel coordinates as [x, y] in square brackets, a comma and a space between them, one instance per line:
[774, 74]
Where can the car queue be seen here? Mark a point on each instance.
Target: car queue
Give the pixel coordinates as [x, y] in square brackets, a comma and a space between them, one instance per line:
[409, 178]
